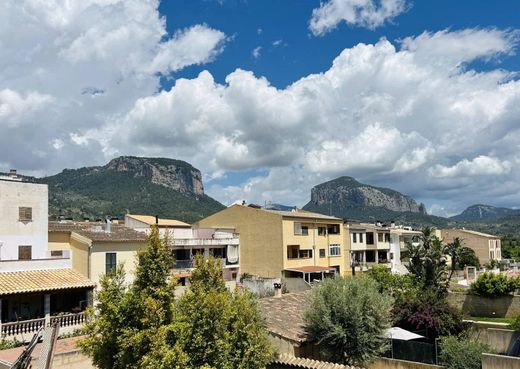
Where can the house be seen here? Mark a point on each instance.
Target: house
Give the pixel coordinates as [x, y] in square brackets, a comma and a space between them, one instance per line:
[97, 248]
[288, 244]
[37, 285]
[487, 247]
[378, 244]
[185, 242]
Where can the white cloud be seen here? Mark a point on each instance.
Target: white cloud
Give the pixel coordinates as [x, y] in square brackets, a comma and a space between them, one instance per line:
[360, 13]
[71, 67]
[479, 166]
[382, 114]
[256, 52]
[277, 43]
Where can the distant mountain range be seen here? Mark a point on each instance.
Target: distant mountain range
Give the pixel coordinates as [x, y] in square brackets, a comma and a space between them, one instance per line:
[155, 186]
[479, 213]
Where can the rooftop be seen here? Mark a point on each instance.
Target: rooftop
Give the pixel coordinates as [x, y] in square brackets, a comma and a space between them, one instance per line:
[481, 234]
[285, 315]
[150, 220]
[95, 231]
[42, 280]
[300, 362]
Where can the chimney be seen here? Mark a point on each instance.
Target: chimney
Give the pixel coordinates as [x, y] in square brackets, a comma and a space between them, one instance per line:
[392, 224]
[277, 290]
[12, 173]
[157, 220]
[108, 226]
[378, 223]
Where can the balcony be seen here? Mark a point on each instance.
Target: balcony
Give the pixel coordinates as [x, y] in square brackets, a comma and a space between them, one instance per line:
[23, 330]
[37, 264]
[181, 242]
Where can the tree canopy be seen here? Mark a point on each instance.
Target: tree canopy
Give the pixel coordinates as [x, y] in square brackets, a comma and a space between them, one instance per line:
[347, 318]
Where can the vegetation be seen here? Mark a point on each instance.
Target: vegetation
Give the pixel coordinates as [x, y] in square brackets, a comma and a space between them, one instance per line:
[492, 320]
[510, 247]
[101, 191]
[462, 352]
[142, 326]
[347, 318]
[8, 344]
[467, 257]
[515, 324]
[494, 285]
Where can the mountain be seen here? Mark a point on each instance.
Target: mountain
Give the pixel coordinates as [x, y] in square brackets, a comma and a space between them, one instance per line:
[484, 213]
[156, 186]
[275, 206]
[345, 197]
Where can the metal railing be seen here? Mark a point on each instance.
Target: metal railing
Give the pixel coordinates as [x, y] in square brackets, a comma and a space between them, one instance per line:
[30, 326]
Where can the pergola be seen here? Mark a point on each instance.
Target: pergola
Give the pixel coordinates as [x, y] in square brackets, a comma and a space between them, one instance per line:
[308, 271]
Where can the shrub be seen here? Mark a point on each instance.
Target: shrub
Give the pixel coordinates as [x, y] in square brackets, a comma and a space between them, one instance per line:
[7, 344]
[516, 324]
[462, 352]
[347, 318]
[493, 285]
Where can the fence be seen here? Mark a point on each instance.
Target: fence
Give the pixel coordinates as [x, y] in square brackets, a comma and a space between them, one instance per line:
[417, 351]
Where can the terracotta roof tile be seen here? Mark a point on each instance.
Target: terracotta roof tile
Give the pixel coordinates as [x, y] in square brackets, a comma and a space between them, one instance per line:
[42, 280]
[300, 362]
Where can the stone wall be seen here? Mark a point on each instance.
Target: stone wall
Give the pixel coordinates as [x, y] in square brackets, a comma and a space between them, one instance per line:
[490, 361]
[497, 307]
[385, 363]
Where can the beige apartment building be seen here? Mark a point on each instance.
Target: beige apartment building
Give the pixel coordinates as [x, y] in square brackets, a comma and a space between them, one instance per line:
[284, 243]
[487, 247]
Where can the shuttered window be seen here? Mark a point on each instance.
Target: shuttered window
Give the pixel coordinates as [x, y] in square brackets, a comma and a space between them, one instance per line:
[110, 262]
[24, 252]
[297, 228]
[24, 214]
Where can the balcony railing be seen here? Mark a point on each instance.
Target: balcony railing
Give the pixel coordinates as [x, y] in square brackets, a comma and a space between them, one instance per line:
[13, 329]
[188, 264]
[203, 241]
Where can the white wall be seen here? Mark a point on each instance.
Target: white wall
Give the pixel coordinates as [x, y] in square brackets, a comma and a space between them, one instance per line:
[13, 233]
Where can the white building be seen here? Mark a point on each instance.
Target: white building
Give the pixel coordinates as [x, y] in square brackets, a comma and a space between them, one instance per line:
[23, 219]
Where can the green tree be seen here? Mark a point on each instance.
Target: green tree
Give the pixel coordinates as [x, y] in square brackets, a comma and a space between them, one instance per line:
[121, 326]
[468, 257]
[428, 262]
[462, 352]
[212, 327]
[493, 285]
[347, 318]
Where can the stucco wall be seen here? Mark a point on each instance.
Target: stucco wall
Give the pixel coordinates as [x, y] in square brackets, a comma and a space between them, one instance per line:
[479, 244]
[260, 232]
[499, 307]
[490, 361]
[126, 253]
[14, 232]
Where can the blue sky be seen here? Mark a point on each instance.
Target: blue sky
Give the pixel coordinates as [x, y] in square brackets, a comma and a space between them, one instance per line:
[270, 98]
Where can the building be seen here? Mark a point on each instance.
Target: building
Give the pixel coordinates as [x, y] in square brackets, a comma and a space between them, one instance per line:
[172, 227]
[37, 285]
[487, 247]
[97, 248]
[378, 244]
[287, 244]
[23, 219]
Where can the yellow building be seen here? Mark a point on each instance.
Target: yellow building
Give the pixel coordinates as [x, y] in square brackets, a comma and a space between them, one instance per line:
[96, 248]
[284, 243]
[487, 247]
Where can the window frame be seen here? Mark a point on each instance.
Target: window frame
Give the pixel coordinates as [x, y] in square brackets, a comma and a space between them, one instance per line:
[111, 263]
[20, 253]
[25, 214]
[334, 249]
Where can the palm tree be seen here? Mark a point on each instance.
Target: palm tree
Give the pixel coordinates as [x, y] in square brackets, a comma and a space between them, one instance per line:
[455, 250]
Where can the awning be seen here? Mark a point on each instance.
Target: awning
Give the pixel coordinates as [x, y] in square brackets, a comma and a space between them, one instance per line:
[42, 280]
[397, 333]
[311, 269]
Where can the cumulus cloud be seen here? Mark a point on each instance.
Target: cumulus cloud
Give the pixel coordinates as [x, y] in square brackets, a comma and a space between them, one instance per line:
[382, 113]
[359, 13]
[72, 66]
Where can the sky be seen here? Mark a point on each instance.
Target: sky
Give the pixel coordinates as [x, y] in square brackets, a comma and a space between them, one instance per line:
[269, 98]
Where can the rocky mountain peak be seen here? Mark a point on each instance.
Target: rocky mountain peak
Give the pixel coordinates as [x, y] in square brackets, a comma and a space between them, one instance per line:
[175, 174]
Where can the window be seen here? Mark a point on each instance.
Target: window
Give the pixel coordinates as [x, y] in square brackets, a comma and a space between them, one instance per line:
[380, 237]
[333, 228]
[382, 257]
[24, 252]
[387, 237]
[297, 228]
[370, 238]
[334, 249]
[354, 237]
[361, 238]
[24, 214]
[492, 254]
[219, 253]
[292, 251]
[56, 253]
[322, 231]
[305, 254]
[305, 231]
[322, 253]
[110, 262]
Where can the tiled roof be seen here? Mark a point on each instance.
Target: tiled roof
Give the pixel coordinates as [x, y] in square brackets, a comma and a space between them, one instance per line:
[285, 315]
[42, 280]
[150, 220]
[300, 362]
[95, 231]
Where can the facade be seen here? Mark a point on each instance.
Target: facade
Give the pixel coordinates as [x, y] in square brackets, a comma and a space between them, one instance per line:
[377, 244]
[97, 248]
[487, 247]
[23, 219]
[171, 227]
[275, 244]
